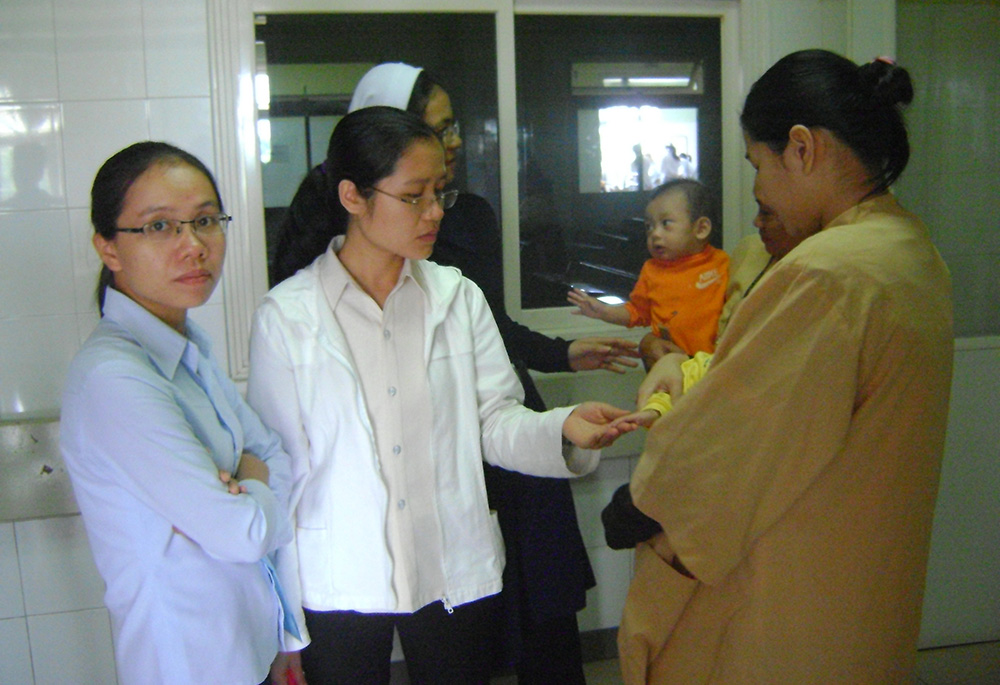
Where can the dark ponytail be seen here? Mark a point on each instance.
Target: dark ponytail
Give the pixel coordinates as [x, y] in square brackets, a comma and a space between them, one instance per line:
[861, 105]
[364, 149]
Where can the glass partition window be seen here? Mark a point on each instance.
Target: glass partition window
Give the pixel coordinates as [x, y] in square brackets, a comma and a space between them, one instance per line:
[608, 108]
[625, 148]
[310, 64]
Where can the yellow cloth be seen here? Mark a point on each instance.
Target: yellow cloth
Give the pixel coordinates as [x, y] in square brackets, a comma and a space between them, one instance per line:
[693, 370]
[797, 479]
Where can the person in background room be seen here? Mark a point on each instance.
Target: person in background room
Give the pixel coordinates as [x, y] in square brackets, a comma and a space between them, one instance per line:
[387, 379]
[182, 489]
[795, 483]
[682, 286]
[547, 572]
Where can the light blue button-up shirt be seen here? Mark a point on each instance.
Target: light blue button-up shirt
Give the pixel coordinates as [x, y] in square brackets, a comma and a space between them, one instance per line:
[148, 421]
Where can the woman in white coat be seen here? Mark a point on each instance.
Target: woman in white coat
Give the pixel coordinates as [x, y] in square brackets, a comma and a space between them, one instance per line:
[388, 381]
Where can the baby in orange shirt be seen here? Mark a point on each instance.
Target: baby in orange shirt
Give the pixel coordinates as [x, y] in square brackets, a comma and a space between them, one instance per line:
[682, 287]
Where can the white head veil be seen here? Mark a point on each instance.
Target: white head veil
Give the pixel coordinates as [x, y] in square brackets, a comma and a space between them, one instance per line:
[389, 84]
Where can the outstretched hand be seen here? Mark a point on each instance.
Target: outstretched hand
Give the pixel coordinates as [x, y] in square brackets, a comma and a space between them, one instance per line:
[588, 306]
[637, 419]
[613, 354]
[590, 425]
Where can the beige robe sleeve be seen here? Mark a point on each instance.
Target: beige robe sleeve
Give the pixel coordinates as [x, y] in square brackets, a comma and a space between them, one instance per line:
[747, 440]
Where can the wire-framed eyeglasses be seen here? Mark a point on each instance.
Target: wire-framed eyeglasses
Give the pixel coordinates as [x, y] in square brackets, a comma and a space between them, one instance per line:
[449, 133]
[165, 229]
[445, 199]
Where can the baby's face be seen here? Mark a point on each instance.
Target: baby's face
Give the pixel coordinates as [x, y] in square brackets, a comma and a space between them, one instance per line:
[670, 232]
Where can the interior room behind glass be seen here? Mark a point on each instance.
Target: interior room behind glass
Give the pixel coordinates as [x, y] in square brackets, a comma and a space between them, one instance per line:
[313, 62]
[599, 100]
[607, 108]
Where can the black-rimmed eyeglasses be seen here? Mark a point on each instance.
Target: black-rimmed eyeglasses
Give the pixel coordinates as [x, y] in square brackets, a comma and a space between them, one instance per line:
[165, 229]
[445, 199]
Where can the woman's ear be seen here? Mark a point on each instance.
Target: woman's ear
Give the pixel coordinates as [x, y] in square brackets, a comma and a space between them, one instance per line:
[351, 198]
[107, 250]
[800, 152]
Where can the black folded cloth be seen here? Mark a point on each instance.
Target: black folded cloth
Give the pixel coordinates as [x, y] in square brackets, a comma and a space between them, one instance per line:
[624, 524]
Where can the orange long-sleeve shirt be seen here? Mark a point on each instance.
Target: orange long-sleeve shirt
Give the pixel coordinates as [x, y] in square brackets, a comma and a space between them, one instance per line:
[683, 297]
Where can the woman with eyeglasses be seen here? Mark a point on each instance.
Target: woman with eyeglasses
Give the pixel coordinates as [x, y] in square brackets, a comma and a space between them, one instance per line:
[547, 571]
[387, 379]
[182, 489]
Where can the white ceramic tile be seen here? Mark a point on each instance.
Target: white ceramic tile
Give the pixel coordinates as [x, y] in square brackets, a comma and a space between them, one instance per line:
[11, 599]
[36, 263]
[606, 600]
[85, 323]
[960, 227]
[15, 656]
[975, 286]
[86, 263]
[592, 493]
[36, 354]
[914, 38]
[31, 157]
[57, 569]
[92, 132]
[99, 49]
[975, 664]
[73, 647]
[186, 123]
[27, 51]
[176, 47]
[961, 34]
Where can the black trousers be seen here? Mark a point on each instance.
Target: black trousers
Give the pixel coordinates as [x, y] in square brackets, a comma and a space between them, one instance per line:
[441, 648]
[551, 653]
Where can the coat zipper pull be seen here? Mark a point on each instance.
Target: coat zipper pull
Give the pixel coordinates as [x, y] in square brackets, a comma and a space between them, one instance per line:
[447, 605]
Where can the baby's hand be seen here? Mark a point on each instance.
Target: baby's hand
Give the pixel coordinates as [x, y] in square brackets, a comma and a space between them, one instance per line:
[645, 419]
[588, 306]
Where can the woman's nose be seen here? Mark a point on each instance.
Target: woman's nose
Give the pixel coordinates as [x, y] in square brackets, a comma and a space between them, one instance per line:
[190, 240]
[435, 212]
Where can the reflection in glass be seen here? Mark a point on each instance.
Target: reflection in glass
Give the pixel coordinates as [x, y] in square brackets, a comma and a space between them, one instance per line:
[608, 107]
[30, 157]
[636, 148]
[308, 65]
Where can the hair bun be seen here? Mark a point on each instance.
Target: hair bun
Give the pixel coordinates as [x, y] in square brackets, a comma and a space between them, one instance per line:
[887, 83]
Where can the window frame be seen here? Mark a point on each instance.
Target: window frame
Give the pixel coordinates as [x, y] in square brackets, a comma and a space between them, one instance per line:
[237, 163]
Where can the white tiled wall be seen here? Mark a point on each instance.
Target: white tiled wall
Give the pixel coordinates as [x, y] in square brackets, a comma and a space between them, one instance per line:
[953, 180]
[613, 569]
[80, 80]
[54, 628]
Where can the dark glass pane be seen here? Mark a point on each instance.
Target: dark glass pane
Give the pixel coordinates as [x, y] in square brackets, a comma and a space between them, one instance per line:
[315, 60]
[590, 147]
